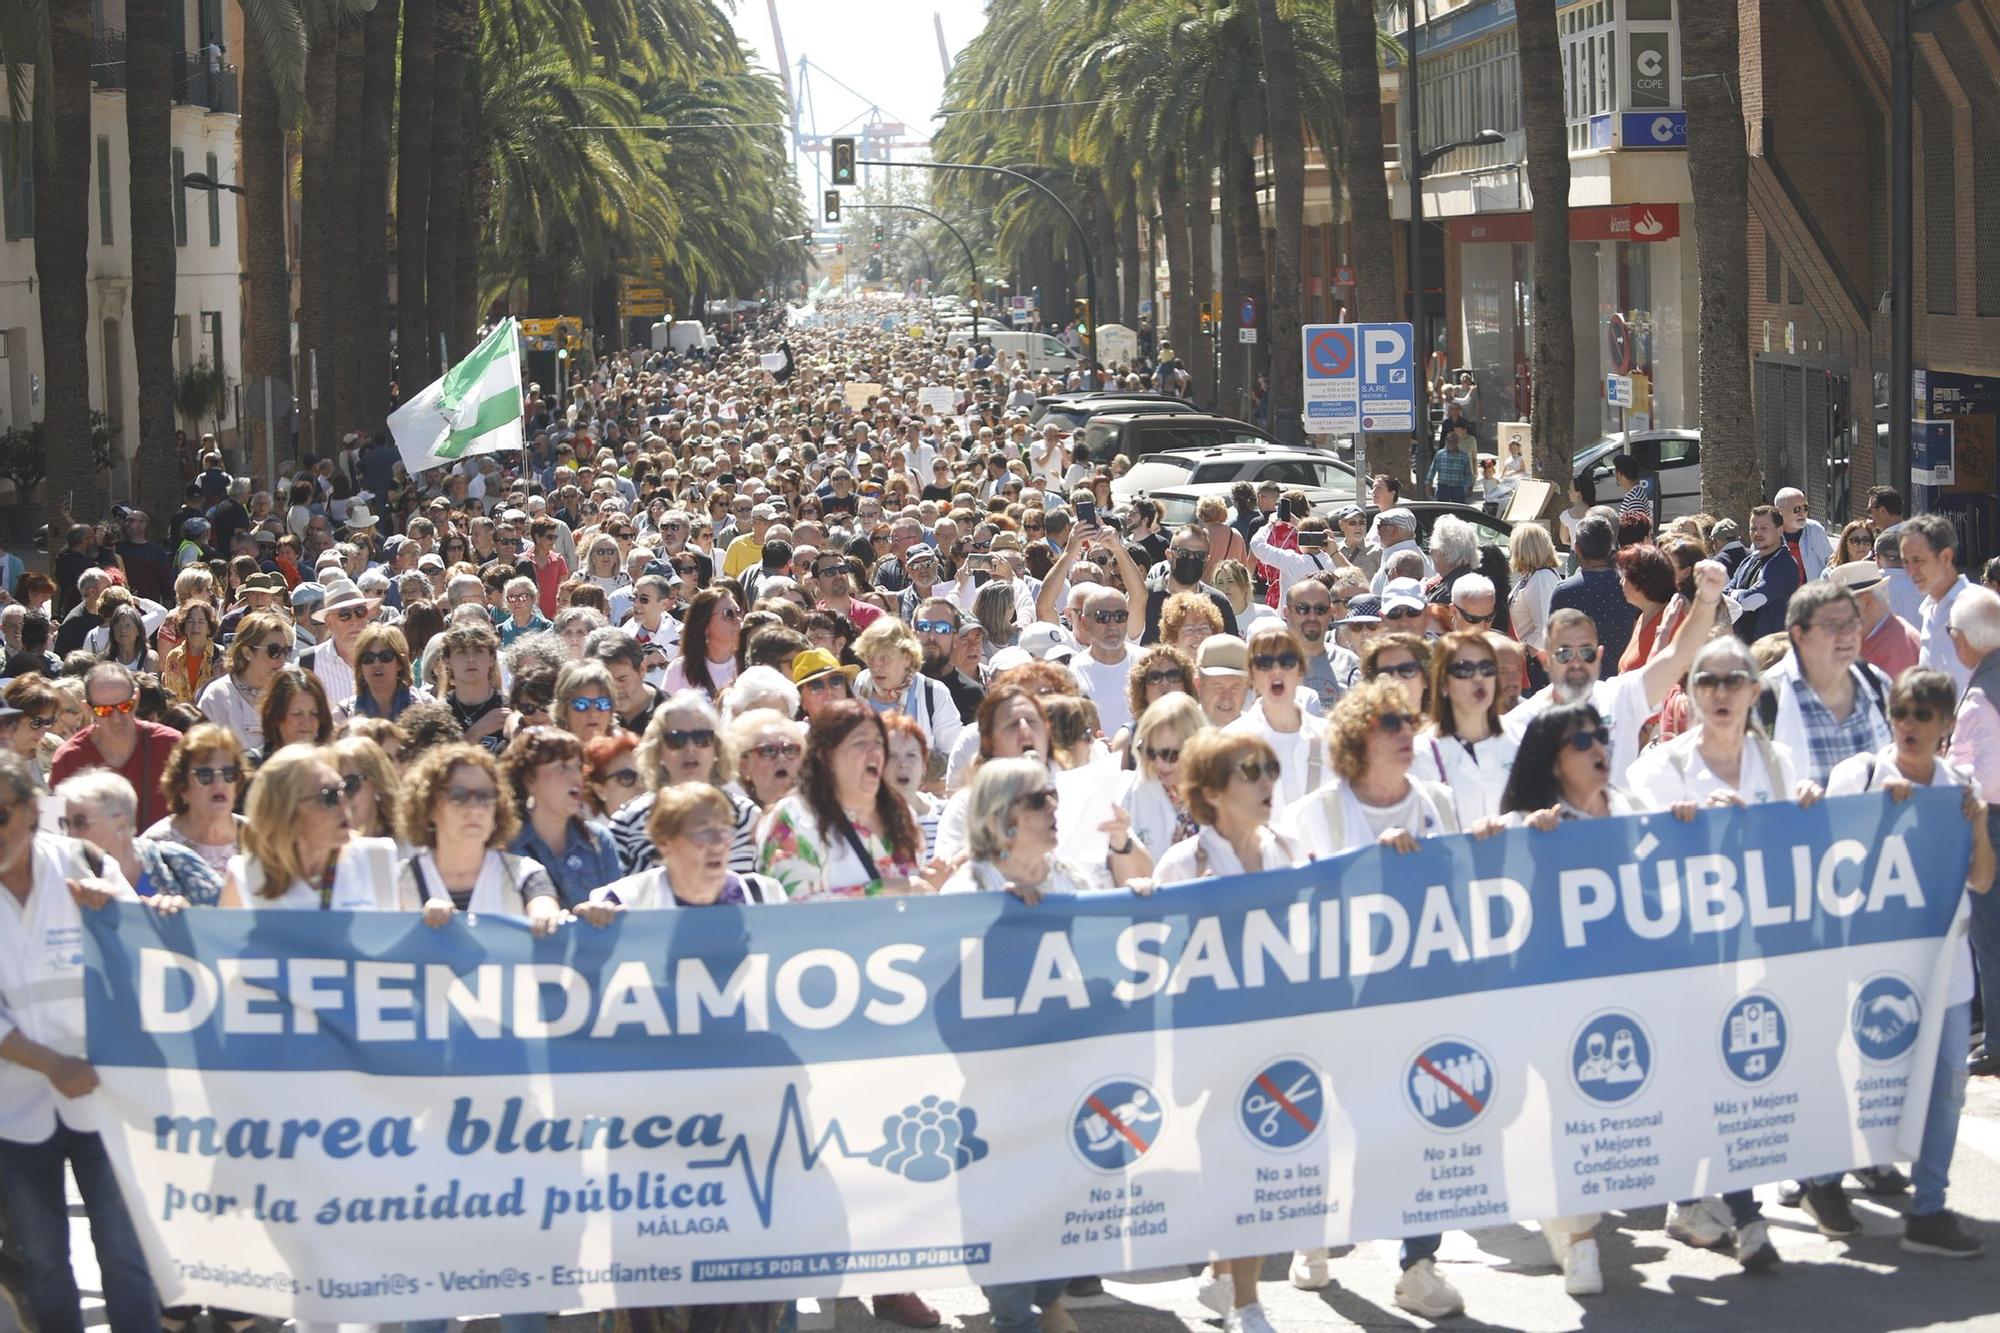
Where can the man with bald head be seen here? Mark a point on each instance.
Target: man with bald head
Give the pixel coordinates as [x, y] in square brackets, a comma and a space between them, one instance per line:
[1101, 627]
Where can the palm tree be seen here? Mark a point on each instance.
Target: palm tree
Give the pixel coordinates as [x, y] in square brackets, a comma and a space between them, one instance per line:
[1375, 285]
[1285, 134]
[1553, 442]
[348, 353]
[62, 244]
[320, 218]
[416, 364]
[149, 76]
[1719, 172]
[451, 85]
[373, 148]
[273, 73]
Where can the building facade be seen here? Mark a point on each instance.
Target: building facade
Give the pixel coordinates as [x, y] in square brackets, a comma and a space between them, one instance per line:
[207, 306]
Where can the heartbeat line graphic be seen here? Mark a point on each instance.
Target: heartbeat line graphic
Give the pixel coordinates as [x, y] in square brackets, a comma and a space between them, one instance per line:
[791, 1117]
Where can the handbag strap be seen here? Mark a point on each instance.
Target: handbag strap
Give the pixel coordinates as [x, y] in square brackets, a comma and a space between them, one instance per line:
[860, 850]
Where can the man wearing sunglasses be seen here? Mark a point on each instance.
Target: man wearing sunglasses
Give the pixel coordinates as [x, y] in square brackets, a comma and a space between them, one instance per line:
[346, 612]
[938, 624]
[1101, 671]
[1571, 653]
[118, 740]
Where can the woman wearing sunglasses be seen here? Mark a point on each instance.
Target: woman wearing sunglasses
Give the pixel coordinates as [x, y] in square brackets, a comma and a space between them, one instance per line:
[683, 743]
[1160, 672]
[195, 660]
[611, 776]
[1159, 818]
[294, 711]
[1561, 773]
[893, 682]
[585, 700]
[1465, 748]
[300, 851]
[604, 567]
[456, 815]
[711, 644]
[768, 746]
[544, 770]
[371, 783]
[1404, 658]
[100, 807]
[203, 778]
[262, 644]
[1011, 840]
[1229, 781]
[383, 685]
[1278, 716]
[31, 738]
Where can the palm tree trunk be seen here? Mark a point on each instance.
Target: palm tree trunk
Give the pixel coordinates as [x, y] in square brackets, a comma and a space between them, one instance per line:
[1201, 275]
[457, 33]
[1229, 281]
[1250, 280]
[1130, 292]
[370, 370]
[471, 226]
[1719, 171]
[266, 186]
[62, 250]
[1552, 420]
[148, 122]
[416, 363]
[319, 218]
[349, 354]
[1375, 286]
[1181, 330]
[1284, 138]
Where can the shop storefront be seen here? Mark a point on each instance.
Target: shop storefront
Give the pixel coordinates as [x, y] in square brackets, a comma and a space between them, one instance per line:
[1633, 300]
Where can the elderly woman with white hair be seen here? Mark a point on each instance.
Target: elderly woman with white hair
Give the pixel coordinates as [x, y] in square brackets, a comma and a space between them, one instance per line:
[768, 746]
[101, 808]
[685, 742]
[1010, 837]
[758, 689]
[1159, 819]
[1454, 553]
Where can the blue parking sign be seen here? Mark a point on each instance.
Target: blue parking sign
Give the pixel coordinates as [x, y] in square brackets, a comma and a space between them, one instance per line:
[1359, 377]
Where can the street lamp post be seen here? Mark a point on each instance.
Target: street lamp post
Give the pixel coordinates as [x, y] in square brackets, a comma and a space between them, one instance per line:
[1082, 240]
[201, 180]
[978, 292]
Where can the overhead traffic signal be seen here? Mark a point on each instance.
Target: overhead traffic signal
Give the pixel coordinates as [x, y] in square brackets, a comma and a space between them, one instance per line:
[843, 161]
[1079, 310]
[1207, 319]
[878, 233]
[832, 203]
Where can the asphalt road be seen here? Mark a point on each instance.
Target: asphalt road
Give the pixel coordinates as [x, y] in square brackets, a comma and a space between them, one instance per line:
[1652, 1284]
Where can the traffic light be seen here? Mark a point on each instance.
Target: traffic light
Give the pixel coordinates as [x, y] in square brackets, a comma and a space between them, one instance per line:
[1079, 310]
[1207, 319]
[843, 161]
[832, 205]
[878, 233]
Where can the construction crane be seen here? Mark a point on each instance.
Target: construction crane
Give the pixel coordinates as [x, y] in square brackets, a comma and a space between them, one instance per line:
[944, 52]
[880, 136]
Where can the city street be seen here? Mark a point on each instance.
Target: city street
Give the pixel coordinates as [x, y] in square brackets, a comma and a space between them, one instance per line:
[1651, 1283]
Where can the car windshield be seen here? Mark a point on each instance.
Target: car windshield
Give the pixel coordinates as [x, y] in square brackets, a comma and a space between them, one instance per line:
[1152, 473]
[1176, 509]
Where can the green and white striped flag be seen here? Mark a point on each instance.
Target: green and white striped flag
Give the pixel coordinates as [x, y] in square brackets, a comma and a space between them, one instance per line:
[475, 409]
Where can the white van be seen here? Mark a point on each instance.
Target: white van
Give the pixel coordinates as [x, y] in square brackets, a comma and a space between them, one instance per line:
[1043, 352]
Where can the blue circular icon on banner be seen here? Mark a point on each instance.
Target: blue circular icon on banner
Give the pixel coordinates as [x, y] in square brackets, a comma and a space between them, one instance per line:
[1450, 1083]
[1754, 1033]
[1116, 1123]
[1886, 1016]
[1611, 1058]
[1284, 1105]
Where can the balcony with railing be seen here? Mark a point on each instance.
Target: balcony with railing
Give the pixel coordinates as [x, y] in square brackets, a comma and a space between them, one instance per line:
[200, 82]
[107, 57]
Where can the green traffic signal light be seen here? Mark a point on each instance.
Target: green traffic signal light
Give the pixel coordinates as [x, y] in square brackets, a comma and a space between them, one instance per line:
[832, 204]
[843, 161]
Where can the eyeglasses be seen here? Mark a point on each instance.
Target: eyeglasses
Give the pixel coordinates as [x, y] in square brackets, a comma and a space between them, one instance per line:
[595, 703]
[122, 706]
[1250, 770]
[1277, 661]
[273, 650]
[1486, 619]
[348, 613]
[350, 785]
[1839, 629]
[776, 750]
[1313, 608]
[829, 571]
[1401, 670]
[1584, 740]
[1586, 654]
[1111, 617]
[1169, 676]
[1912, 712]
[825, 683]
[208, 776]
[936, 627]
[1403, 613]
[628, 778]
[377, 657]
[1164, 754]
[1486, 669]
[469, 796]
[329, 798]
[685, 567]
[41, 721]
[1393, 723]
[1726, 680]
[680, 740]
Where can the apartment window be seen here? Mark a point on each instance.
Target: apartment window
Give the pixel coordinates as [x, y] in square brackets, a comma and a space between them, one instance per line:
[180, 199]
[18, 194]
[1774, 269]
[214, 204]
[103, 190]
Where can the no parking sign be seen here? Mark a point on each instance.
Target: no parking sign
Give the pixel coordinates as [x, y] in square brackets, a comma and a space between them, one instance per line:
[1359, 377]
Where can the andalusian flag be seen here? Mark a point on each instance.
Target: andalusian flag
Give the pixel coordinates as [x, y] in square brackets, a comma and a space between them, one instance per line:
[475, 409]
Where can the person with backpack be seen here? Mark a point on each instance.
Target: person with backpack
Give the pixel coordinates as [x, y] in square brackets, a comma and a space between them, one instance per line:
[1821, 701]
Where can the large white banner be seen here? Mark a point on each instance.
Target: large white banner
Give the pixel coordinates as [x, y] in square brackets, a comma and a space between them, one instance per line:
[357, 1117]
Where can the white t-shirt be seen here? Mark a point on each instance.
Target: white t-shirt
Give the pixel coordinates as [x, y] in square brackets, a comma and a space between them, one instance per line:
[1301, 753]
[1620, 701]
[1867, 772]
[1676, 772]
[1104, 685]
[1476, 772]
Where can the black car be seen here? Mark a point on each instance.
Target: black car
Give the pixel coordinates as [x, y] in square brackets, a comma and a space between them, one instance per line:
[1138, 434]
[1073, 411]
